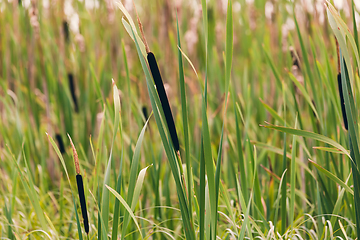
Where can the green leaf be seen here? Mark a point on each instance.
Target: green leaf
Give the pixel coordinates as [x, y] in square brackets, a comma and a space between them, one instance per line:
[133, 173]
[332, 177]
[311, 135]
[30, 191]
[128, 209]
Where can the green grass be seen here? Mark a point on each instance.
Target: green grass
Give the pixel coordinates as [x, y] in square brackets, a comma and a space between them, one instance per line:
[263, 150]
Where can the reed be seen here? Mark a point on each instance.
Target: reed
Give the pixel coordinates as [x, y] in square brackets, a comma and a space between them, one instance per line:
[237, 180]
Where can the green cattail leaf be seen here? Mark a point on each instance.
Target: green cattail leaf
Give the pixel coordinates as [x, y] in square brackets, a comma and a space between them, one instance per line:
[138, 186]
[332, 177]
[272, 66]
[311, 135]
[188, 60]
[340, 33]
[305, 94]
[116, 110]
[185, 119]
[105, 193]
[245, 225]
[126, 13]
[30, 191]
[309, 75]
[97, 85]
[130, 30]
[338, 25]
[128, 209]
[78, 224]
[60, 156]
[133, 173]
[228, 47]
[292, 182]
[209, 165]
[201, 195]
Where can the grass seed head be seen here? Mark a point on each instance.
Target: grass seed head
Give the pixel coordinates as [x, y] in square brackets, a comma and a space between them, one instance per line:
[76, 157]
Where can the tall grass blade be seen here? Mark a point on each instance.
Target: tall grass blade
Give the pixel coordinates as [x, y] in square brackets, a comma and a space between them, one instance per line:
[30, 191]
[133, 174]
[185, 117]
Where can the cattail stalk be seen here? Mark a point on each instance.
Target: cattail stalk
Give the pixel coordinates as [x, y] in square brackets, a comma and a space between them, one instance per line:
[80, 186]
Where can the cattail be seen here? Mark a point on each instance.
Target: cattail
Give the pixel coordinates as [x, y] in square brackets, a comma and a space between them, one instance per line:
[60, 142]
[72, 90]
[80, 186]
[145, 112]
[154, 68]
[66, 31]
[163, 99]
[342, 103]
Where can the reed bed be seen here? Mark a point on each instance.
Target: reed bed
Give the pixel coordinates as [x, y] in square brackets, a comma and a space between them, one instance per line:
[244, 126]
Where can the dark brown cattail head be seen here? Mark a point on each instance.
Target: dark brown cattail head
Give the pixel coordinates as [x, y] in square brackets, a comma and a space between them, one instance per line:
[145, 112]
[80, 185]
[72, 90]
[66, 31]
[163, 99]
[154, 68]
[60, 142]
[342, 102]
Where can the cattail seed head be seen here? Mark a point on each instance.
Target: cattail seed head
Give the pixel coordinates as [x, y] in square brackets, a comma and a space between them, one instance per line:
[66, 31]
[341, 94]
[60, 142]
[145, 112]
[72, 90]
[163, 99]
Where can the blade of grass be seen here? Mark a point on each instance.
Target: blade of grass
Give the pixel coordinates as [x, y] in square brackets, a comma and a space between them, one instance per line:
[105, 193]
[133, 173]
[128, 209]
[292, 183]
[311, 135]
[185, 118]
[29, 188]
[332, 177]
